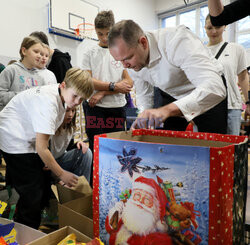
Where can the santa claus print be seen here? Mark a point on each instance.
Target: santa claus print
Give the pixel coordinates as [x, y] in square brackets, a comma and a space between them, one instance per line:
[139, 220]
[148, 194]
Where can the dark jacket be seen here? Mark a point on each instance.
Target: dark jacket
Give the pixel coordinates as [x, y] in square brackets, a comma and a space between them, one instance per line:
[60, 63]
[232, 12]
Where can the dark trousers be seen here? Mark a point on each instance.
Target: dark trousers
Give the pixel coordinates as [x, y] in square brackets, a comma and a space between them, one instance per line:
[101, 120]
[25, 173]
[212, 121]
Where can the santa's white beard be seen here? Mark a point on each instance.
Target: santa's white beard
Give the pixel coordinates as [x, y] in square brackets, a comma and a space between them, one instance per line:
[138, 220]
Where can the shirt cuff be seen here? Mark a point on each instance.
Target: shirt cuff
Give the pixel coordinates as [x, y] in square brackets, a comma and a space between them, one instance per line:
[189, 110]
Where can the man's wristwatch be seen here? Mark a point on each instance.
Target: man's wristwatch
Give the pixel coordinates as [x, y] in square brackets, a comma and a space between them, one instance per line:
[111, 86]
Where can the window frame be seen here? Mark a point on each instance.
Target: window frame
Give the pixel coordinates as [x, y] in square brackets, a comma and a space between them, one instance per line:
[178, 11]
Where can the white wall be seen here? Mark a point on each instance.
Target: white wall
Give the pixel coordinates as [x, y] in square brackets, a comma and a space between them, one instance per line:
[141, 11]
[19, 18]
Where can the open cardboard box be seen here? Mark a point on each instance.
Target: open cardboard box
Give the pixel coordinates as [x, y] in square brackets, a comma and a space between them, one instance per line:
[77, 213]
[24, 234]
[55, 237]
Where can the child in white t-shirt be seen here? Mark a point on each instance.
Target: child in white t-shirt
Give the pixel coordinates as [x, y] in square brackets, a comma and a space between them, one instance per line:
[26, 125]
[234, 61]
[77, 160]
[105, 110]
[22, 74]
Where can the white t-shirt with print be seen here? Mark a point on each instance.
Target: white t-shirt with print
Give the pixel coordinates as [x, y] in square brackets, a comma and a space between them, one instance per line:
[233, 58]
[36, 110]
[105, 68]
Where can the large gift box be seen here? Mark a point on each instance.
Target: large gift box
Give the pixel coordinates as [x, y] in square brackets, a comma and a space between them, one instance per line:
[167, 187]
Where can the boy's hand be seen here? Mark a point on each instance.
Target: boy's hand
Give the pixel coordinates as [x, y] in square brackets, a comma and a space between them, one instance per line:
[96, 98]
[82, 145]
[68, 178]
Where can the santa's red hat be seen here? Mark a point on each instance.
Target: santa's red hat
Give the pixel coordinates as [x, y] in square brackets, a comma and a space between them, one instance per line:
[152, 187]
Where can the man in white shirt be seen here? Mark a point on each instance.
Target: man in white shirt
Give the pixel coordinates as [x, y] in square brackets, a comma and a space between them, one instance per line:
[176, 61]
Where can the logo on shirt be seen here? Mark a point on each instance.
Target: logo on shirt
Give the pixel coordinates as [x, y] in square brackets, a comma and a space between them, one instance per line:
[116, 64]
[38, 90]
[28, 81]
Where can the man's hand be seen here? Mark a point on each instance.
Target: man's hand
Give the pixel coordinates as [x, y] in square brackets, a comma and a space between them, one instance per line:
[153, 118]
[82, 145]
[68, 178]
[149, 119]
[96, 98]
[122, 87]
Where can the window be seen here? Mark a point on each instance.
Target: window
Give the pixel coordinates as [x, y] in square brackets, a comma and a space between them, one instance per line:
[203, 15]
[188, 19]
[243, 32]
[169, 21]
[192, 16]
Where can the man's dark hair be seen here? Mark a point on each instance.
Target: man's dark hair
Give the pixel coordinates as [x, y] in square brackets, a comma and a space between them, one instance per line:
[41, 36]
[128, 30]
[104, 19]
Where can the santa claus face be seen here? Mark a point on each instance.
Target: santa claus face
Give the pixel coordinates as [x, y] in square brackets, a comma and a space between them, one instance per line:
[143, 198]
[141, 213]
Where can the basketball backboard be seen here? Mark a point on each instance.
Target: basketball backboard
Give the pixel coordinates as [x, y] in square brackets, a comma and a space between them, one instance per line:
[65, 16]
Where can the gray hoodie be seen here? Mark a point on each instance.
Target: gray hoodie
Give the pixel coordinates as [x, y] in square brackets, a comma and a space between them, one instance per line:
[16, 78]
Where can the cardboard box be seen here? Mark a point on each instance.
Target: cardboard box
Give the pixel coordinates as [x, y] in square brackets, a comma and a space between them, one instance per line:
[66, 194]
[77, 213]
[82, 189]
[55, 237]
[24, 234]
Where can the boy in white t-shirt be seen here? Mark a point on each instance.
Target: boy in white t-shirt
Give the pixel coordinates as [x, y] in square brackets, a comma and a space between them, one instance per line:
[105, 110]
[26, 124]
[75, 158]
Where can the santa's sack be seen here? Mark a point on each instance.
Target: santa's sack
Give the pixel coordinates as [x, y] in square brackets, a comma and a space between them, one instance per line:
[168, 187]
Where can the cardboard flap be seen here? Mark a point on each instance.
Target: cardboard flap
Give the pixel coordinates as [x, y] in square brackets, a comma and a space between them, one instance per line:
[65, 194]
[78, 214]
[55, 237]
[82, 206]
[83, 186]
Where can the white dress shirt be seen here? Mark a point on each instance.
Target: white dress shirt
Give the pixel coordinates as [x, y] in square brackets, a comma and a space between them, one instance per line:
[180, 65]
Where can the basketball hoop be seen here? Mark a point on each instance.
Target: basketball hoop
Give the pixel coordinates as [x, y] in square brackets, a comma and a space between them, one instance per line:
[85, 30]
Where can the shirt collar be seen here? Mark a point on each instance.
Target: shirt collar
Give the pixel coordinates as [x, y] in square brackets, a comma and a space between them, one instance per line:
[154, 53]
